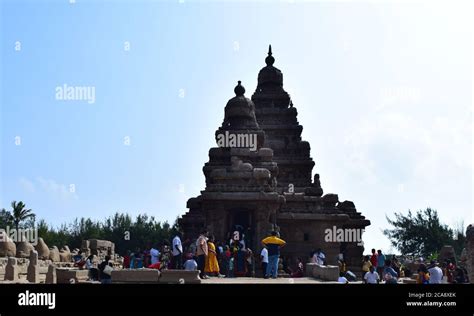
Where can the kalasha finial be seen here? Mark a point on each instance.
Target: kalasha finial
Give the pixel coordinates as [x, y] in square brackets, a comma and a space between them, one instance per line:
[239, 89]
[269, 60]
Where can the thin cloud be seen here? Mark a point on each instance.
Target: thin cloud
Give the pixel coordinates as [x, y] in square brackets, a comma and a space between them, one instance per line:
[27, 185]
[49, 187]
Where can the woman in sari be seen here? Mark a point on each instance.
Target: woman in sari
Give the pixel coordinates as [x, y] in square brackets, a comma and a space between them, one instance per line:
[212, 266]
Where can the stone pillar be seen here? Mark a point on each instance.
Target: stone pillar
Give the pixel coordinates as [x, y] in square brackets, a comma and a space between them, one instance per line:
[353, 257]
[261, 229]
[219, 225]
[33, 268]
[470, 252]
[85, 248]
[51, 275]
[112, 249]
[11, 270]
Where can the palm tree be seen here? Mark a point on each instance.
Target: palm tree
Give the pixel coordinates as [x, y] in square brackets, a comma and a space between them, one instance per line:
[20, 213]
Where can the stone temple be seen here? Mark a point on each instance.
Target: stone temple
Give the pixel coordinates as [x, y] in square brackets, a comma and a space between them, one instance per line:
[270, 186]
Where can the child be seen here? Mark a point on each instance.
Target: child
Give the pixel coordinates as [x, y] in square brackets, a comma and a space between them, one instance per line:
[299, 270]
[225, 258]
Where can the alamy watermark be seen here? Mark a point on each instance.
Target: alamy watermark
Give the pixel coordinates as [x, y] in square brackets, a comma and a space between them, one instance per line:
[335, 234]
[398, 95]
[237, 140]
[75, 93]
[37, 299]
[19, 235]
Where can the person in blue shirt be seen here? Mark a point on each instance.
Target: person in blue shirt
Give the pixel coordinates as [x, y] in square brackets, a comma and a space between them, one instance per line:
[380, 262]
[273, 244]
[389, 274]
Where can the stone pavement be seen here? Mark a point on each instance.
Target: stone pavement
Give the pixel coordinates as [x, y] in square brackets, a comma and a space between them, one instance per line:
[243, 280]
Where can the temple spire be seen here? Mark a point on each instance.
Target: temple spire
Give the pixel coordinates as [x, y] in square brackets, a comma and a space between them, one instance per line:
[239, 89]
[270, 59]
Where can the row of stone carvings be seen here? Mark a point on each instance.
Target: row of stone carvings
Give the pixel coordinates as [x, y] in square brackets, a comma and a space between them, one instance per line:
[23, 249]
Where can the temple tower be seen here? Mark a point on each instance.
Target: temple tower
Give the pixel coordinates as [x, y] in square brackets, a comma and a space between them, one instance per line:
[269, 186]
[240, 179]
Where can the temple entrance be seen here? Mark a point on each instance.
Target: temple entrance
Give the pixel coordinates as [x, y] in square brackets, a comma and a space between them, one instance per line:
[241, 218]
[241, 227]
[241, 235]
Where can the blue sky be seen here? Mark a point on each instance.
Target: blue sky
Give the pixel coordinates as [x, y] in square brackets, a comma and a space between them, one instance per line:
[383, 90]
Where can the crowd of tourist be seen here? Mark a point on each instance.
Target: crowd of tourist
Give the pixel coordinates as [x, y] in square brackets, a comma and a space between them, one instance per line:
[233, 258]
[377, 268]
[97, 272]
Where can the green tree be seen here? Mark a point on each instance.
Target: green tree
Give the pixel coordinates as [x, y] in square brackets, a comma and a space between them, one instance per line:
[144, 231]
[115, 228]
[421, 234]
[5, 218]
[44, 231]
[20, 214]
[82, 229]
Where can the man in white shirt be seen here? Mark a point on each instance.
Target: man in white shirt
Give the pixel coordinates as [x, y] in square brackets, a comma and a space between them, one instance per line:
[436, 274]
[371, 277]
[319, 257]
[155, 255]
[264, 258]
[177, 252]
